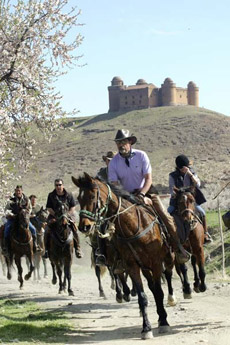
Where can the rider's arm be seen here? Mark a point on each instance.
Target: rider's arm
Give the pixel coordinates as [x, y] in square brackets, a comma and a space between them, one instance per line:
[148, 182]
[171, 185]
[72, 210]
[51, 211]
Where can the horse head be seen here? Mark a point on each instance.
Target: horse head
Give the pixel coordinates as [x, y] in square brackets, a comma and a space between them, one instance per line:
[23, 218]
[42, 215]
[185, 202]
[93, 202]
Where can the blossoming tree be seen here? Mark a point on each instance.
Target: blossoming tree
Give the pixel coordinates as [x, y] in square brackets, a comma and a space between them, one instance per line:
[38, 43]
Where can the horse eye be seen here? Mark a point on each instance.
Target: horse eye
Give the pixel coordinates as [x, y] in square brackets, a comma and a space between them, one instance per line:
[92, 197]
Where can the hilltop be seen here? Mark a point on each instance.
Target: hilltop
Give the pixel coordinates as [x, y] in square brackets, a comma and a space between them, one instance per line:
[164, 132]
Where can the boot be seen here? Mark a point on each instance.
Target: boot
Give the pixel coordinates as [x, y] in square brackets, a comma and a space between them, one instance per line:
[77, 247]
[5, 244]
[207, 236]
[100, 252]
[182, 255]
[36, 246]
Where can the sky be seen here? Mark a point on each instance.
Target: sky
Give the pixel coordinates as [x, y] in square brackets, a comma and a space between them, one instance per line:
[153, 40]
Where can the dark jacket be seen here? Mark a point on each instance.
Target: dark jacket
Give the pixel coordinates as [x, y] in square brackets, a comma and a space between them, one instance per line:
[178, 179]
[54, 200]
[17, 204]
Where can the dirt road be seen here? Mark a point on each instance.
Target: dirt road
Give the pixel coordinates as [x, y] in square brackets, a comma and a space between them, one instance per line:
[203, 319]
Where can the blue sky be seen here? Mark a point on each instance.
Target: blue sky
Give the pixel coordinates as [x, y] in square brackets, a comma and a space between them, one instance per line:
[180, 39]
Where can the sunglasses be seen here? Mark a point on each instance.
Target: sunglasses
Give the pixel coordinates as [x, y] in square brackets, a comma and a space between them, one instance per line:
[58, 185]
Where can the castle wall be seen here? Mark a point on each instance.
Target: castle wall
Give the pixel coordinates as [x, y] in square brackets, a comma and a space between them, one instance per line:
[181, 96]
[134, 98]
[153, 96]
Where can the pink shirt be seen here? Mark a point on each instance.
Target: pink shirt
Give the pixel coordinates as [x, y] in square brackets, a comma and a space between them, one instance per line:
[133, 176]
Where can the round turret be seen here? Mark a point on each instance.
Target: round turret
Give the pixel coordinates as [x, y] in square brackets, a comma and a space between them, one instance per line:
[193, 94]
[141, 82]
[117, 81]
[168, 92]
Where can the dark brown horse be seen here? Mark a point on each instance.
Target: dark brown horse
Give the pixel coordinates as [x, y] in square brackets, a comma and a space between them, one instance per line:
[21, 243]
[137, 236]
[39, 221]
[193, 240]
[61, 249]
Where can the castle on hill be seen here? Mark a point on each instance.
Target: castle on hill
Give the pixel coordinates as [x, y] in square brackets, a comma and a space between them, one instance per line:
[144, 95]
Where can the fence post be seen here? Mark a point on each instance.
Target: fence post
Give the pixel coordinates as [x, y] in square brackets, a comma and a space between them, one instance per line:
[222, 240]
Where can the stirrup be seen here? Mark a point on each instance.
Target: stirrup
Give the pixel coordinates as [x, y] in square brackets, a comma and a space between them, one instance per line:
[207, 238]
[46, 255]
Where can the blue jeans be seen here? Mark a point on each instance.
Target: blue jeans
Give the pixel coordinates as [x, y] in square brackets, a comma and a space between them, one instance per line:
[8, 227]
[171, 209]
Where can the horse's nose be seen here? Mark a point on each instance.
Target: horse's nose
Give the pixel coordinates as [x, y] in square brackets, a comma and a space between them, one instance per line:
[84, 228]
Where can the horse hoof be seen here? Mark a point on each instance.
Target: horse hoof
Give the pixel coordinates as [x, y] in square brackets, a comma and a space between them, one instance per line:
[27, 277]
[172, 300]
[187, 295]
[127, 298]
[202, 288]
[146, 335]
[119, 299]
[164, 329]
[133, 293]
[71, 293]
[102, 294]
[196, 289]
[54, 281]
[9, 276]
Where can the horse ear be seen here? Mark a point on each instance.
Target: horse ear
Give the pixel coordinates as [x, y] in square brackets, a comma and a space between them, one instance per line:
[75, 181]
[88, 177]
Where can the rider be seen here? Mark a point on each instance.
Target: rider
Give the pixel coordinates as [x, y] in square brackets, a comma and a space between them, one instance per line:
[59, 194]
[18, 201]
[185, 176]
[103, 172]
[132, 169]
[35, 207]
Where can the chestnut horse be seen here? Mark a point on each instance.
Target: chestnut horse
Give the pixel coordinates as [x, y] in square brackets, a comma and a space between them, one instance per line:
[186, 211]
[61, 249]
[137, 237]
[21, 243]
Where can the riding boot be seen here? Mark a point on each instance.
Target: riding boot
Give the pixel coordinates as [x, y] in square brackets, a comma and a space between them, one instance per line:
[36, 246]
[77, 247]
[100, 252]
[46, 242]
[182, 255]
[207, 236]
[5, 244]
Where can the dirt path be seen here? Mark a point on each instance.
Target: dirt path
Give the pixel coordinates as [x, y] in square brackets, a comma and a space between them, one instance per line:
[203, 319]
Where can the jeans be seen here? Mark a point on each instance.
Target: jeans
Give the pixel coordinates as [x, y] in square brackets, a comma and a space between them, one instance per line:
[171, 209]
[8, 227]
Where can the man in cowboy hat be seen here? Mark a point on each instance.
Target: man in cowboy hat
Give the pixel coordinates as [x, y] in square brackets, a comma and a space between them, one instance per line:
[132, 169]
[103, 172]
[185, 176]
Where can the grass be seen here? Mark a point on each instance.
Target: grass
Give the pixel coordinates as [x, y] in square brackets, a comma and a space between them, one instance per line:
[24, 322]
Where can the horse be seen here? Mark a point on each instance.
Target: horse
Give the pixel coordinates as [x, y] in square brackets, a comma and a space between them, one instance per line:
[136, 233]
[39, 221]
[61, 249]
[193, 241]
[21, 243]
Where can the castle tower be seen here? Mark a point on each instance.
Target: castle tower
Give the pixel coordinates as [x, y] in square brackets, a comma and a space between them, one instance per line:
[168, 92]
[114, 94]
[193, 94]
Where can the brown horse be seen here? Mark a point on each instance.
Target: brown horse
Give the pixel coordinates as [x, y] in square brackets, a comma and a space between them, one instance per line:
[61, 249]
[39, 221]
[137, 236]
[21, 243]
[193, 242]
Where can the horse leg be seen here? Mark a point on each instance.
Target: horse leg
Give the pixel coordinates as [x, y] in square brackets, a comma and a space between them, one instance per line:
[20, 270]
[182, 272]
[199, 280]
[8, 261]
[146, 332]
[118, 289]
[54, 279]
[113, 283]
[171, 297]
[155, 286]
[67, 270]
[98, 275]
[126, 289]
[45, 267]
[31, 266]
[59, 273]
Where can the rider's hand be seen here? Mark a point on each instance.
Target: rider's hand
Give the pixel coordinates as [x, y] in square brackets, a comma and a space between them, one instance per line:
[147, 201]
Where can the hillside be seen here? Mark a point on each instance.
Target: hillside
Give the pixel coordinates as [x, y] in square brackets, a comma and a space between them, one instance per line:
[165, 132]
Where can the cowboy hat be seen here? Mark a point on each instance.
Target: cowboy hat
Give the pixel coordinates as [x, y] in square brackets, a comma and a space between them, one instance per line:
[124, 134]
[109, 155]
